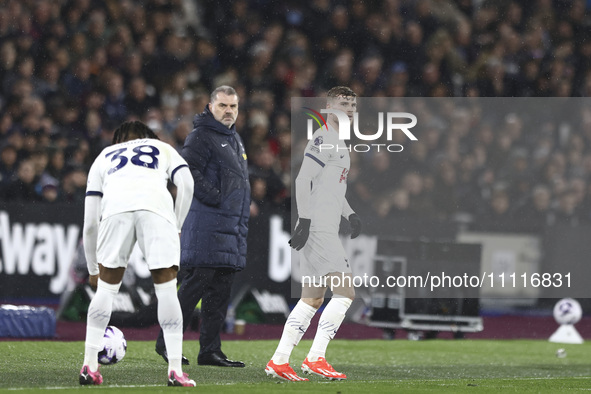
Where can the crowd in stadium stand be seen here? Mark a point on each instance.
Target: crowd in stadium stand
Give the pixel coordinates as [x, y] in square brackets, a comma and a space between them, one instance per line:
[72, 70]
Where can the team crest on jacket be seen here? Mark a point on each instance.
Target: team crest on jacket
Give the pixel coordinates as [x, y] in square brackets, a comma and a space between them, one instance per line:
[318, 141]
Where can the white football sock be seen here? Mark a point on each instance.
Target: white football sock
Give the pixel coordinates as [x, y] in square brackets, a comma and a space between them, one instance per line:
[329, 323]
[296, 325]
[170, 318]
[99, 314]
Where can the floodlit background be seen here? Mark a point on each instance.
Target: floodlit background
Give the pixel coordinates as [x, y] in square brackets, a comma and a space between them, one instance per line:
[517, 184]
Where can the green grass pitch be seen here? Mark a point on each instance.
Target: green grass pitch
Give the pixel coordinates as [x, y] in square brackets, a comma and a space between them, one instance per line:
[372, 366]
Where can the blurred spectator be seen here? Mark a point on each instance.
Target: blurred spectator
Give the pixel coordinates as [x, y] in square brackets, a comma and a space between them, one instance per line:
[92, 127]
[259, 196]
[400, 204]
[79, 155]
[96, 31]
[496, 216]
[534, 213]
[49, 83]
[133, 67]
[137, 101]
[8, 59]
[445, 193]
[73, 186]
[23, 71]
[176, 91]
[40, 160]
[262, 169]
[8, 163]
[56, 164]
[565, 211]
[379, 179]
[420, 202]
[22, 188]
[181, 132]
[114, 105]
[72, 70]
[77, 82]
[49, 193]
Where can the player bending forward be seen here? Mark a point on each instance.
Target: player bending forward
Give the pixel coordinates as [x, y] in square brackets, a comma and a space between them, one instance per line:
[127, 200]
[320, 197]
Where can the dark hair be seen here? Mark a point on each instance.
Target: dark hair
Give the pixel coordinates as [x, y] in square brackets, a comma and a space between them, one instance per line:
[342, 91]
[133, 130]
[230, 91]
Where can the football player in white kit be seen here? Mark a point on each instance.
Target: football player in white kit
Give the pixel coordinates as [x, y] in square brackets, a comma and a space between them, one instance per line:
[127, 201]
[320, 196]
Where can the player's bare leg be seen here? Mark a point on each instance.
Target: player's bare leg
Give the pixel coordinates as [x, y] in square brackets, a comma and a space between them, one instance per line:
[170, 318]
[99, 314]
[328, 325]
[296, 325]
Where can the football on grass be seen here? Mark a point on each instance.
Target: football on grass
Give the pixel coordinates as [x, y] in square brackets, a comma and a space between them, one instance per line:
[114, 346]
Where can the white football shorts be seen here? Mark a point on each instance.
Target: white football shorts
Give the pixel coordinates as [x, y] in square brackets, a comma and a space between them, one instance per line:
[157, 238]
[322, 254]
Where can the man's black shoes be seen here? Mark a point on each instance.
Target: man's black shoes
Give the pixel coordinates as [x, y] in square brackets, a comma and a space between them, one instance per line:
[162, 352]
[218, 359]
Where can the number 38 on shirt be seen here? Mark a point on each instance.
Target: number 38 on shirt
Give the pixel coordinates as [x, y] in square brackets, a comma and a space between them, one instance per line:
[142, 153]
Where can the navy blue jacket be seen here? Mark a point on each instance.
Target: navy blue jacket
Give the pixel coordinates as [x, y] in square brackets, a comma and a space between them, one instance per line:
[215, 230]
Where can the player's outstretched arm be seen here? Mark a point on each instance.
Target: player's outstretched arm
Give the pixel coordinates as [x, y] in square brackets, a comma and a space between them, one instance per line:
[183, 181]
[310, 169]
[347, 210]
[92, 212]
[92, 216]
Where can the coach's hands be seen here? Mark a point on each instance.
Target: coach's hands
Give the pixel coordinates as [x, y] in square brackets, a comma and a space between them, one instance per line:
[300, 234]
[355, 225]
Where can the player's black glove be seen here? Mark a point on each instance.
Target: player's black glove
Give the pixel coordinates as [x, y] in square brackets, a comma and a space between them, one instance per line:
[355, 225]
[300, 234]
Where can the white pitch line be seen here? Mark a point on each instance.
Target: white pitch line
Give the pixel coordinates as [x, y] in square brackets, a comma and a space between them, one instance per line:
[319, 382]
[74, 387]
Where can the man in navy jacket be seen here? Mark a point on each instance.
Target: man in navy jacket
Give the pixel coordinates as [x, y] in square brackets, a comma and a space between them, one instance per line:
[213, 238]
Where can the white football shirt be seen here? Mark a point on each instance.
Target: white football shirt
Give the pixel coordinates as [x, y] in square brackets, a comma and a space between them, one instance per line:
[329, 185]
[133, 176]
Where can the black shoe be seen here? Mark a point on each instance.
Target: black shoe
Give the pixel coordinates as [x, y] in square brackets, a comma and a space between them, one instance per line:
[162, 352]
[218, 359]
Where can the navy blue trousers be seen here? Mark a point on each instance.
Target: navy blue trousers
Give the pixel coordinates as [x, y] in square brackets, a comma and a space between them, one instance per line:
[213, 286]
